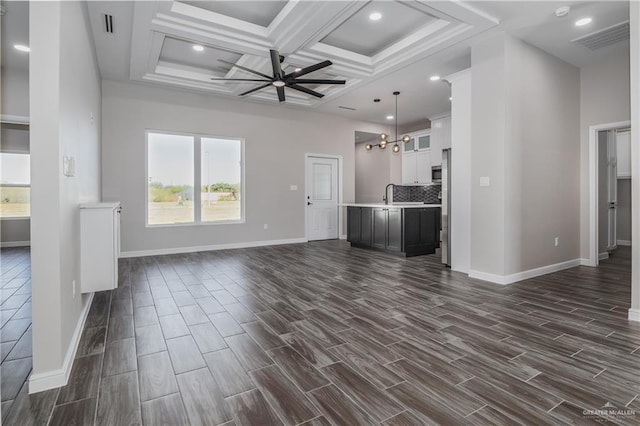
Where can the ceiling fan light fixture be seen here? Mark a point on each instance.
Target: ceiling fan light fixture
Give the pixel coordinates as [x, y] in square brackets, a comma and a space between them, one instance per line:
[279, 83]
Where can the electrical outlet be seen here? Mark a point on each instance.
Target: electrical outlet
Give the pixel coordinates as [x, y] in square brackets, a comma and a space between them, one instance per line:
[266, 226]
[556, 242]
[73, 284]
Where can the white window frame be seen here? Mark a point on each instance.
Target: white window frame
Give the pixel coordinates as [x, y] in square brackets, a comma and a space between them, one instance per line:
[18, 185]
[197, 182]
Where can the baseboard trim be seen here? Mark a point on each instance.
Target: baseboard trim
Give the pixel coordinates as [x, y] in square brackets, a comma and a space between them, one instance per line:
[634, 314]
[623, 242]
[58, 378]
[531, 273]
[603, 256]
[180, 250]
[586, 262]
[15, 244]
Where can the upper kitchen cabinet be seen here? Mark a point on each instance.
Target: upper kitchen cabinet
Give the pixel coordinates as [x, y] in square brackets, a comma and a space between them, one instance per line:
[417, 159]
[440, 137]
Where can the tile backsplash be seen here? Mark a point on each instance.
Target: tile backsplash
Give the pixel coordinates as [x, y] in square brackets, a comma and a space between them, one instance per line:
[420, 194]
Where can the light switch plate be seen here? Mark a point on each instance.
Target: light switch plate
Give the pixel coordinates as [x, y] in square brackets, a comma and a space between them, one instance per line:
[485, 181]
[68, 166]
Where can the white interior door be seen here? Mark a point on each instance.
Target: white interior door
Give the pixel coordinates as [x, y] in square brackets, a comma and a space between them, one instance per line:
[322, 198]
[612, 191]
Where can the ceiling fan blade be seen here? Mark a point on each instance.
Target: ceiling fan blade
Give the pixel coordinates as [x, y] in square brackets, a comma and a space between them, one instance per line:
[275, 64]
[312, 81]
[310, 69]
[237, 79]
[255, 89]
[305, 90]
[245, 69]
[280, 93]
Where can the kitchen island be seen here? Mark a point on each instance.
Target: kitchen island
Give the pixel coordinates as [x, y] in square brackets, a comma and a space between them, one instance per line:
[409, 229]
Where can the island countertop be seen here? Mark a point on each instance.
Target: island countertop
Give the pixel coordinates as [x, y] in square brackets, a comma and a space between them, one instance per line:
[392, 205]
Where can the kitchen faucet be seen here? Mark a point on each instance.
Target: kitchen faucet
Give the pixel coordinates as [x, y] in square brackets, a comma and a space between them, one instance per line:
[386, 196]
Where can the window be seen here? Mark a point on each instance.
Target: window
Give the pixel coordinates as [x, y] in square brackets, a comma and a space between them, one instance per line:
[15, 185]
[179, 163]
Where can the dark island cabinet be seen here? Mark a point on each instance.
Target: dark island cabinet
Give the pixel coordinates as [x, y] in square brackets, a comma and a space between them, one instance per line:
[409, 231]
[359, 225]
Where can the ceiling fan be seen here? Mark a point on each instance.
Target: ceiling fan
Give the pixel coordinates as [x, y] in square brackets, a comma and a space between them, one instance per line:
[280, 80]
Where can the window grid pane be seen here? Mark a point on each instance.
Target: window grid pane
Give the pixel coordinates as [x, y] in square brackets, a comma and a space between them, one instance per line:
[221, 176]
[170, 179]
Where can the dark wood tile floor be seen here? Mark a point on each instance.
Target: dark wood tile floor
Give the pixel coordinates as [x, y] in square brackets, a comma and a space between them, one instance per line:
[15, 323]
[320, 334]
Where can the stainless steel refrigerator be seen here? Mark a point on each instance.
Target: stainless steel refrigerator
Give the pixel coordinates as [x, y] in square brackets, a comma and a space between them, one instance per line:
[445, 244]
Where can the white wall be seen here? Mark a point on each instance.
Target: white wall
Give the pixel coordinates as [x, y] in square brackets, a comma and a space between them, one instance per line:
[65, 91]
[525, 137]
[634, 14]
[604, 98]
[14, 138]
[624, 210]
[276, 139]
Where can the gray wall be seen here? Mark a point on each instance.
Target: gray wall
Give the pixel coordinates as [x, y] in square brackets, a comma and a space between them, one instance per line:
[624, 210]
[65, 91]
[525, 137]
[14, 138]
[276, 140]
[373, 173]
[604, 98]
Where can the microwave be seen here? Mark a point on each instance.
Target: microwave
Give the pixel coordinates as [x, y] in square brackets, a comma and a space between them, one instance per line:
[436, 174]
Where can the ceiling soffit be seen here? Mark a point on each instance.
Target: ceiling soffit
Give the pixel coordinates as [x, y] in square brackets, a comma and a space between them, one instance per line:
[159, 28]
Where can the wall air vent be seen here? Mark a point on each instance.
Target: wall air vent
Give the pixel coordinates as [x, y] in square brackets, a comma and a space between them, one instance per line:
[605, 37]
[108, 23]
[345, 107]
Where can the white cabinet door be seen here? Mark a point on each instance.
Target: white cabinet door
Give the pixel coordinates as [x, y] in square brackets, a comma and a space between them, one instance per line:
[423, 159]
[436, 141]
[409, 171]
[446, 133]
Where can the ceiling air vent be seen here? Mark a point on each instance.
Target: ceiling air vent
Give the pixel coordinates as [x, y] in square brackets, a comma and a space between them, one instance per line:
[346, 107]
[605, 37]
[108, 23]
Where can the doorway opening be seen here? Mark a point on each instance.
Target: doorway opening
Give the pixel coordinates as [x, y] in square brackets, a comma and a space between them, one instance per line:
[610, 189]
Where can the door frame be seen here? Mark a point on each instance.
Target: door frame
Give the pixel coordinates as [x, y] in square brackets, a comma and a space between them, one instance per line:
[307, 155]
[593, 185]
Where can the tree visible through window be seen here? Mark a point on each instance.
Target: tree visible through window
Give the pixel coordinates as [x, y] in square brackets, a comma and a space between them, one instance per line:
[173, 171]
[15, 185]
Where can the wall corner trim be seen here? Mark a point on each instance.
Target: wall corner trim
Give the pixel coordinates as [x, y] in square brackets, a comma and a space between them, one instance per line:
[58, 378]
[531, 273]
[634, 314]
[180, 250]
[15, 244]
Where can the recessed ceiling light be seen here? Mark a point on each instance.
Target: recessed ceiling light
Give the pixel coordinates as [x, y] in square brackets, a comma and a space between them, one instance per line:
[563, 11]
[450, 98]
[434, 78]
[389, 117]
[375, 16]
[21, 47]
[198, 48]
[583, 21]
[298, 69]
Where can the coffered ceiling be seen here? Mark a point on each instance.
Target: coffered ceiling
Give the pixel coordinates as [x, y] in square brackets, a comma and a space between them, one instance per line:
[155, 39]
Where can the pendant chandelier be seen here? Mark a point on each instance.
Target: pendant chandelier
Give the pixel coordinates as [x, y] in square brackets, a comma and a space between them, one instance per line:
[384, 138]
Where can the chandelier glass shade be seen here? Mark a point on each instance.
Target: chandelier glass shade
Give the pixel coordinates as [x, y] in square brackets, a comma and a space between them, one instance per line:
[384, 138]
